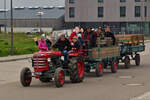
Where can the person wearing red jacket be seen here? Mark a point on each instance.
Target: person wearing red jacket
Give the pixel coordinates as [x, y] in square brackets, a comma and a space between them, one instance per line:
[77, 33]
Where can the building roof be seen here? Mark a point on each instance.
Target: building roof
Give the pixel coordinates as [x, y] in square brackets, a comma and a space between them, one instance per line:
[32, 12]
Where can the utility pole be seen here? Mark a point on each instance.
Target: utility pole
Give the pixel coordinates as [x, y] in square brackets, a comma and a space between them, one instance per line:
[12, 47]
[5, 16]
[142, 17]
[40, 14]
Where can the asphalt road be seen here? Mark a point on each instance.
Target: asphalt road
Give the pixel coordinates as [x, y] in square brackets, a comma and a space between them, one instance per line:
[124, 85]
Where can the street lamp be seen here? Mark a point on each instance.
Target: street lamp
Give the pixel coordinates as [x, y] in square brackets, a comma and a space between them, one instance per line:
[40, 14]
[12, 48]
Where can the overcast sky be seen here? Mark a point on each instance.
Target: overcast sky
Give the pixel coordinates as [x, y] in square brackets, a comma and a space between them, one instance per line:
[27, 3]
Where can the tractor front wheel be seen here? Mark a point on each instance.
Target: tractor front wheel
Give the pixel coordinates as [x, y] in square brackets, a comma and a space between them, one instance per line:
[127, 61]
[59, 77]
[137, 59]
[99, 69]
[26, 77]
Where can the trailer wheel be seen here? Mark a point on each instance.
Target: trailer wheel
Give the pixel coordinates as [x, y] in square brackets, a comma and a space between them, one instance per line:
[114, 66]
[137, 59]
[77, 70]
[26, 77]
[59, 77]
[99, 69]
[127, 62]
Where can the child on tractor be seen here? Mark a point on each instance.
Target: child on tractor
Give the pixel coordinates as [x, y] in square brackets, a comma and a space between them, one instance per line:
[42, 44]
[46, 39]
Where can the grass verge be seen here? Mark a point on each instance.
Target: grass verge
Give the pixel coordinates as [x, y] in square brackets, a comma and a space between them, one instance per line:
[23, 44]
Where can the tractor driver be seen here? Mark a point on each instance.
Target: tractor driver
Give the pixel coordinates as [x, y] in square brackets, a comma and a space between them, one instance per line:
[64, 46]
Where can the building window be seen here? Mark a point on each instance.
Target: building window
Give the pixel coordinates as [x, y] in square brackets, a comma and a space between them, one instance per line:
[145, 11]
[137, 0]
[71, 12]
[122, 0]
[122, 11]
[137, 11]
[71, 1]
[100, 1]
[100, 11]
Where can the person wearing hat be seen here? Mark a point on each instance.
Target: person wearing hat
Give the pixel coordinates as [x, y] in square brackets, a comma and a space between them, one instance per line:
[64, 46]
[42, 44]
[76, 45]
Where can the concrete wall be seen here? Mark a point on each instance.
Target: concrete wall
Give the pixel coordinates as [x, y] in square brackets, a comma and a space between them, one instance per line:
[27, 29]
[86, 11]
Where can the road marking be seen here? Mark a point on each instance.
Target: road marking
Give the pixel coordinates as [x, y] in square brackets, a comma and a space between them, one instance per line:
[126, 77]
[145, 96]
[134, 84]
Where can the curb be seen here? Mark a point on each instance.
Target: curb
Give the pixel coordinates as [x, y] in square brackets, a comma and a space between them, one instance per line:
[6, 59]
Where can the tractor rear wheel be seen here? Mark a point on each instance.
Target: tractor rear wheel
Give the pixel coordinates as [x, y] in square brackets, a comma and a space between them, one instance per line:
[76, 70]
[59, 77]
[26, 77]
[99, 69]
[114, 66]
[127, 62]
[137, 59]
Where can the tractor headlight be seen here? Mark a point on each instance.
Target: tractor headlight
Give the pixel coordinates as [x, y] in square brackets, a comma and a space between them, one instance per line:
[49, 59]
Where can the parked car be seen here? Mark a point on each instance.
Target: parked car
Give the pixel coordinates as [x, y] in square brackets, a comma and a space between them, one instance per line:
[35, 30]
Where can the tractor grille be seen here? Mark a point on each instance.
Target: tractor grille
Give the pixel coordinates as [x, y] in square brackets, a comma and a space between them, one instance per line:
[39, 62]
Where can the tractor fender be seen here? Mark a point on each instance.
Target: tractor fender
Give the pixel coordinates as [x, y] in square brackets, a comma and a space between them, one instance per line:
[75, 54]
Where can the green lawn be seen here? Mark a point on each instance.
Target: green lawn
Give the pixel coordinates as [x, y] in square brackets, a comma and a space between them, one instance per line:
[23, 44]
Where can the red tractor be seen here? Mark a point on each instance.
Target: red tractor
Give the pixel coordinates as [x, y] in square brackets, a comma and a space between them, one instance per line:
[50, 66]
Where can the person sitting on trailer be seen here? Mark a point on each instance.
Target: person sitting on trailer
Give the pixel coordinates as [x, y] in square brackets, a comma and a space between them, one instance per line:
[78, 33]
[93, 38]
[87, 37]
[90, 38]
[108, 33]
[100, 33]
[64, 46]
